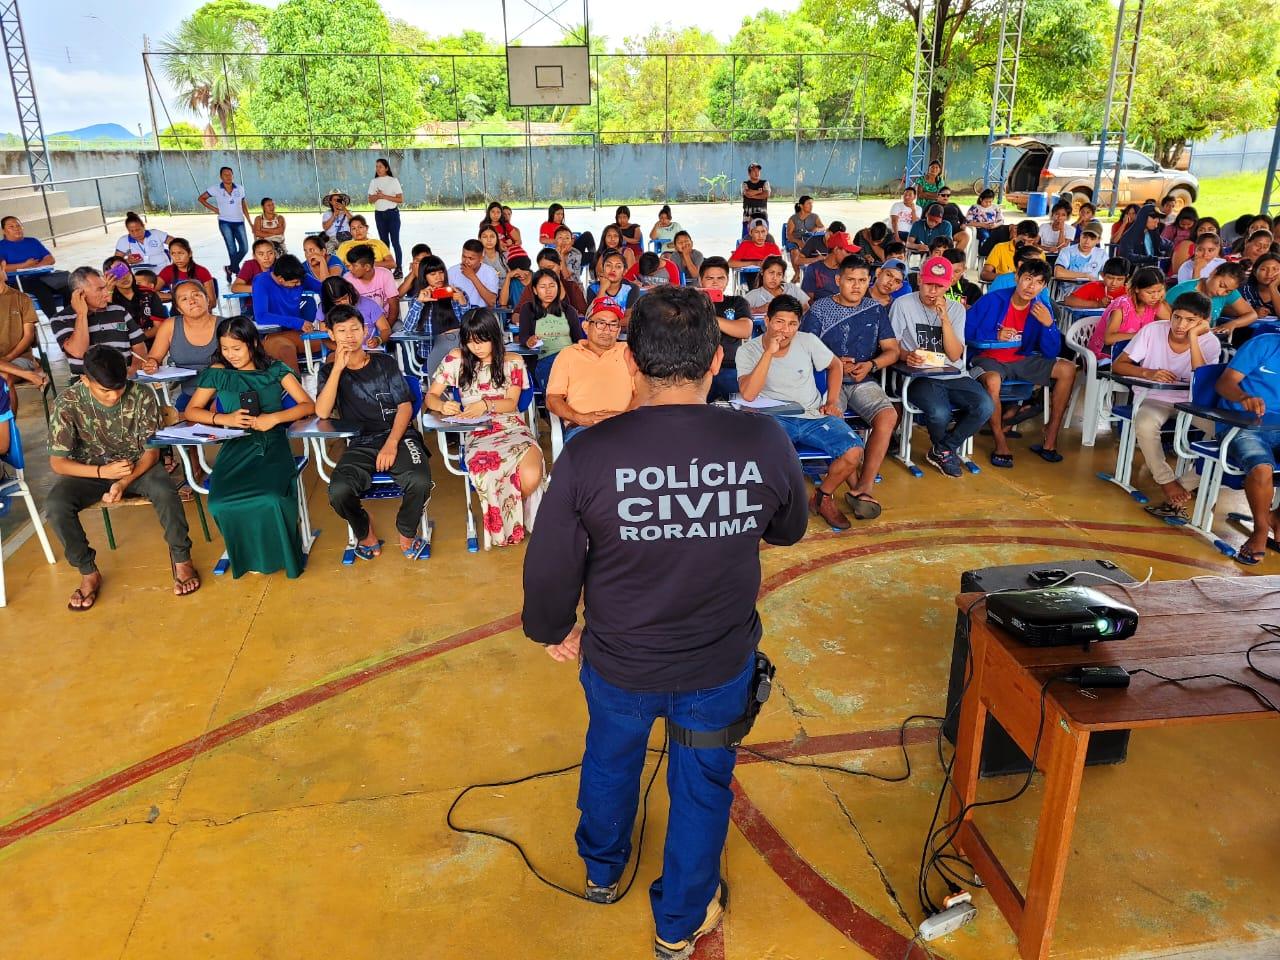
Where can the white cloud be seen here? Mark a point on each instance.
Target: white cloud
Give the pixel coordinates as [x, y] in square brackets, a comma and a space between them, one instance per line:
[71, 98]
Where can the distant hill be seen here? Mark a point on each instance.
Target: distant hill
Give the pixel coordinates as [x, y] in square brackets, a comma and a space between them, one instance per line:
[98, 131]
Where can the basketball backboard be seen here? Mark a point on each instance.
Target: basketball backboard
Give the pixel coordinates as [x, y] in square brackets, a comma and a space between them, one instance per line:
[548, 76]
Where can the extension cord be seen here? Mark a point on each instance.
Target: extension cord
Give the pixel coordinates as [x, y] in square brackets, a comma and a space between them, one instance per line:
[948, 921]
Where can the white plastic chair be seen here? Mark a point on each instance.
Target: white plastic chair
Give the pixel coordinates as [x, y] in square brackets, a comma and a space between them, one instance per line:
[1096, 392]
[16, 485]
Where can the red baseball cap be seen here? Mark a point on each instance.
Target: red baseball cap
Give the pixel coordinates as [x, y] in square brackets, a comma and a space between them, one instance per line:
[606, 305]
[937, 270]
[841, 241]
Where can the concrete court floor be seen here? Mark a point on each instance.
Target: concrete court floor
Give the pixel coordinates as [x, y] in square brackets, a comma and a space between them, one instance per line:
[263, 770]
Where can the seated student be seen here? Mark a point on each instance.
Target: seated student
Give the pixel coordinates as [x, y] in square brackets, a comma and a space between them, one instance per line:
[10, 374]
[1019, 314]
[253, 490]
[17, 337]
[903, 214]
[93, 319]
[98, 433]
[652, 271]
[279, 299]
[320, 263]
[665, 230]
[987, 221]
[734, 316]
[1142, 244]
[681, 252]
[773, 274]
[187, 339]
[1249, 384]
[360, 238]
[751, 251]
[475, 278]
[820, 277]
[780, 365]
[1129, 313]
[340, 292]
[1259, 243]
[924, 231]
[20, 252]
[1000, 259]
[931, 184]
[368, 391]
[1113, 283]
[1262, 290]
[631, 233]
[872, 239]
[184, 267]
[437, 311]
[1087, 213]
[1222, 288]
[1020, 256]
[963, 290]
[612, 266]
[373, 282]
[1184, 249]
[143, 247]
[263, 259]
[570, 256]
[411, 283]
[1054, 236]
[930, 321]
[611, 241]
[1206, 258]
[889, 283]
[269, 225]
[144, 306]
[1082, 261]
[801, 227]
[1167, 351]
[547, 323]
[952, 213]
[503, 459]
[589, 381]
[555, 220]
[570, 288]
[855, 327]
[517, 278]
[494, 255]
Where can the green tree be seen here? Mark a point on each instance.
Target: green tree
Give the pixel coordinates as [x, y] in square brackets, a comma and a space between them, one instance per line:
[349, 101]
[181, 136]
[207, 82]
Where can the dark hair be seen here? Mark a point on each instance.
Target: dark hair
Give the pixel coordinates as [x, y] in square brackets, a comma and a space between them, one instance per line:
[665, 208]
[550, 255]
[988, 193]
[359, 218]
[316, 240]
[189, 282]
[106, 366]
[1128, 209]
[837, 226]
[1023, 254]
[1035, 268]
[673, 335]
[342, 312]
[265, 200]
[481, 323]
[1260, 216]
[710, 262]
[804, 198]
[432, 264]
[774, 261]
[264, 242]
[385, 163]
[150, 274]
[1187, 213]
[895, 248]
[1211, 238]
[940, 243]
[606, 255]
[854, 262]
[562, 229]
[244, 330]
[489, 209]
[192, 267]
[681, 233]
[473, 246]
[115, 258]
[220, 169]
[1061, 205]
[289, 267]
[1195, 231]
[519, 263]
[132, 217]
[1146, 277]
[334, 289]
[1230, 271]
[957, 257]
[620, 211]
[487, 227]
[419, 248]
[1026, 228]
[877, 232]
[1090, 204]
[605, 233]
[784, 303]
[1193, 302]
[557, 304]
[552, 211]
[1257, 234]
[6, 219]
[648, 263]
[1265, 258]
[1118, 267]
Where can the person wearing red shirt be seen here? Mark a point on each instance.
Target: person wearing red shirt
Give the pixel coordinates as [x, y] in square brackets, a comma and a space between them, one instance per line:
[184, 267]
[1098, 294]
[650, 269]
[755, 248]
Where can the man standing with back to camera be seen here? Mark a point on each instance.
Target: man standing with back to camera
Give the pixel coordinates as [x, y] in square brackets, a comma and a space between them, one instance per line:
[659, 513]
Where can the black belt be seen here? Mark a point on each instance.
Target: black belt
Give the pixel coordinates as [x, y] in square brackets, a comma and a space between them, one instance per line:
[731, 736]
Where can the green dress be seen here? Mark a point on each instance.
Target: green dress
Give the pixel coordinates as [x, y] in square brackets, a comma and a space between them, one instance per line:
[253, 488]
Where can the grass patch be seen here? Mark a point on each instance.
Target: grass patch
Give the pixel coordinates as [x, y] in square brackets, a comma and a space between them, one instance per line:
[1228, 197]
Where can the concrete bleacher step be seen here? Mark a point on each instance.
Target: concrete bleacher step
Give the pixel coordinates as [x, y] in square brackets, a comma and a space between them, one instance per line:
[71, 220]
[20, 199]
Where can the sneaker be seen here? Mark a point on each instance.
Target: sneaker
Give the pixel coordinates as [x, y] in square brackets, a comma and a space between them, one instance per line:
[601, 894]
[683, 949]
[945, 460]
[231, 274]
[398, 273]
[824, 505]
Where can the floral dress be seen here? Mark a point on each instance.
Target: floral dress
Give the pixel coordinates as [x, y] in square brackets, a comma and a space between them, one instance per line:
[494, 453]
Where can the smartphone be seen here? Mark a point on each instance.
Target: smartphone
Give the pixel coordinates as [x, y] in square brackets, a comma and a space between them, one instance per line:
[715, 296]
[118, 270]
[442, 293]
[249, 403]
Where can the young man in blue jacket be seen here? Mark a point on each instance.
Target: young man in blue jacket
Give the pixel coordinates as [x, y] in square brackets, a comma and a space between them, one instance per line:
[280, 300]
[1018, 315]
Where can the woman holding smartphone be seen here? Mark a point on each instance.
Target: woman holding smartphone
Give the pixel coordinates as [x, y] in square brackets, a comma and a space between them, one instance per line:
[386, 195]
[145, 306]
[253, 491]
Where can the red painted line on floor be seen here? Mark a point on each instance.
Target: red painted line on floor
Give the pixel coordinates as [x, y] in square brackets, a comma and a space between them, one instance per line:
[907, 526]
[711, 947]
[839, 743]
[833, 905]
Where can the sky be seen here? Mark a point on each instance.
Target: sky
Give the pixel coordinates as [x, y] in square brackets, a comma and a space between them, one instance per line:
[87, 64]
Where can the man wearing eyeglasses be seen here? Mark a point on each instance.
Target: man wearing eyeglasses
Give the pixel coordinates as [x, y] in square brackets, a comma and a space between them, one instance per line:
[952, 214]
[589, 380]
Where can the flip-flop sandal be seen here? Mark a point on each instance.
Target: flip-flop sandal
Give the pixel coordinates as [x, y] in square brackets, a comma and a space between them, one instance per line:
[1049, 456]
[1169, 513]
[369, 551]
[91, 597]
[1002, 460]
[185, 493]
[1249, 558]
[415, 549]
[181, 584]
[864, 506]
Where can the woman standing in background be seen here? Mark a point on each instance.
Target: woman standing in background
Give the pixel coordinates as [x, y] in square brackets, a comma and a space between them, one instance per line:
[386, 195]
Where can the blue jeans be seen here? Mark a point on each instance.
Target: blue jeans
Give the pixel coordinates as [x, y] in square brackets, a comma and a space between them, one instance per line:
[723, 385]
[237, 242]
[1255, 448]
[833, 436]
[542, 371]
[940, 400]
[697, 781]
[388, 223]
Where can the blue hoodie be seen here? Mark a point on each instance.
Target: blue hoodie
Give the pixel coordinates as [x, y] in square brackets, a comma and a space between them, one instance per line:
[987, 315]
[287, 307]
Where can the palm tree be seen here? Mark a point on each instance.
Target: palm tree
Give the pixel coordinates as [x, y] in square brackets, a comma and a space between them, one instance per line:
[199, 61]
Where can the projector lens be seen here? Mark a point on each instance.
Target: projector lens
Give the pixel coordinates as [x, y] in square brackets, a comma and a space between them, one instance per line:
[1103, 625]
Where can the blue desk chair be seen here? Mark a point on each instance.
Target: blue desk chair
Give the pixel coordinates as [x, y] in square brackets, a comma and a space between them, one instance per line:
[16, 486]
[902, 381]
[746, 276]
[813, 461]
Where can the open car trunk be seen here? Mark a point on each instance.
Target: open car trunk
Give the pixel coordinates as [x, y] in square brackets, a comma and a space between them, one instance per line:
[1024, 176]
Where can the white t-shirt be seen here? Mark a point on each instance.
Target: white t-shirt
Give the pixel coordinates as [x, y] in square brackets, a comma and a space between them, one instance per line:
[386, 185]
[790, 377]
[759, 298]
[152, 250]
[906, 215]
[484, 273]
[230, 205]
[1050, 236]
[1184, 271]
[1150, 348]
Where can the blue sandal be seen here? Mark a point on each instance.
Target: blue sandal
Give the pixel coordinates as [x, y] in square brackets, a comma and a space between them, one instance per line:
[1002, 460]
[369, 551]
[415, 550]
[1049, 456]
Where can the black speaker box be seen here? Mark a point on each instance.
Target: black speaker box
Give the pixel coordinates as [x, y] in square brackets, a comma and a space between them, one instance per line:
[1000, 755]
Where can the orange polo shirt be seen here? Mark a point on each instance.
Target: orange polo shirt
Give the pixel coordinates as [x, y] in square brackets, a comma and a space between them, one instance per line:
[589, 381]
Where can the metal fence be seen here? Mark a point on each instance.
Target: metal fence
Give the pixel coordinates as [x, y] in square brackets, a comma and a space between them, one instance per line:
[822, 93]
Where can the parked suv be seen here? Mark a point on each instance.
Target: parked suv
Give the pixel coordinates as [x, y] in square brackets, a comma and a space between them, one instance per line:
[1068, 170]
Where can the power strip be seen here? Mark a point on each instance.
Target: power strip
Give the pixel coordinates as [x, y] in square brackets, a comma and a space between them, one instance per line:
[948, 921]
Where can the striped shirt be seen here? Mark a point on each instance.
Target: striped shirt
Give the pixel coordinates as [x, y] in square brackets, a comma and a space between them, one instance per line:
[111, 325]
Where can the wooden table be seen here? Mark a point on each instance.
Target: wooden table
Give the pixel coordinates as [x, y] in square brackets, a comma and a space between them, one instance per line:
[1185, 628]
